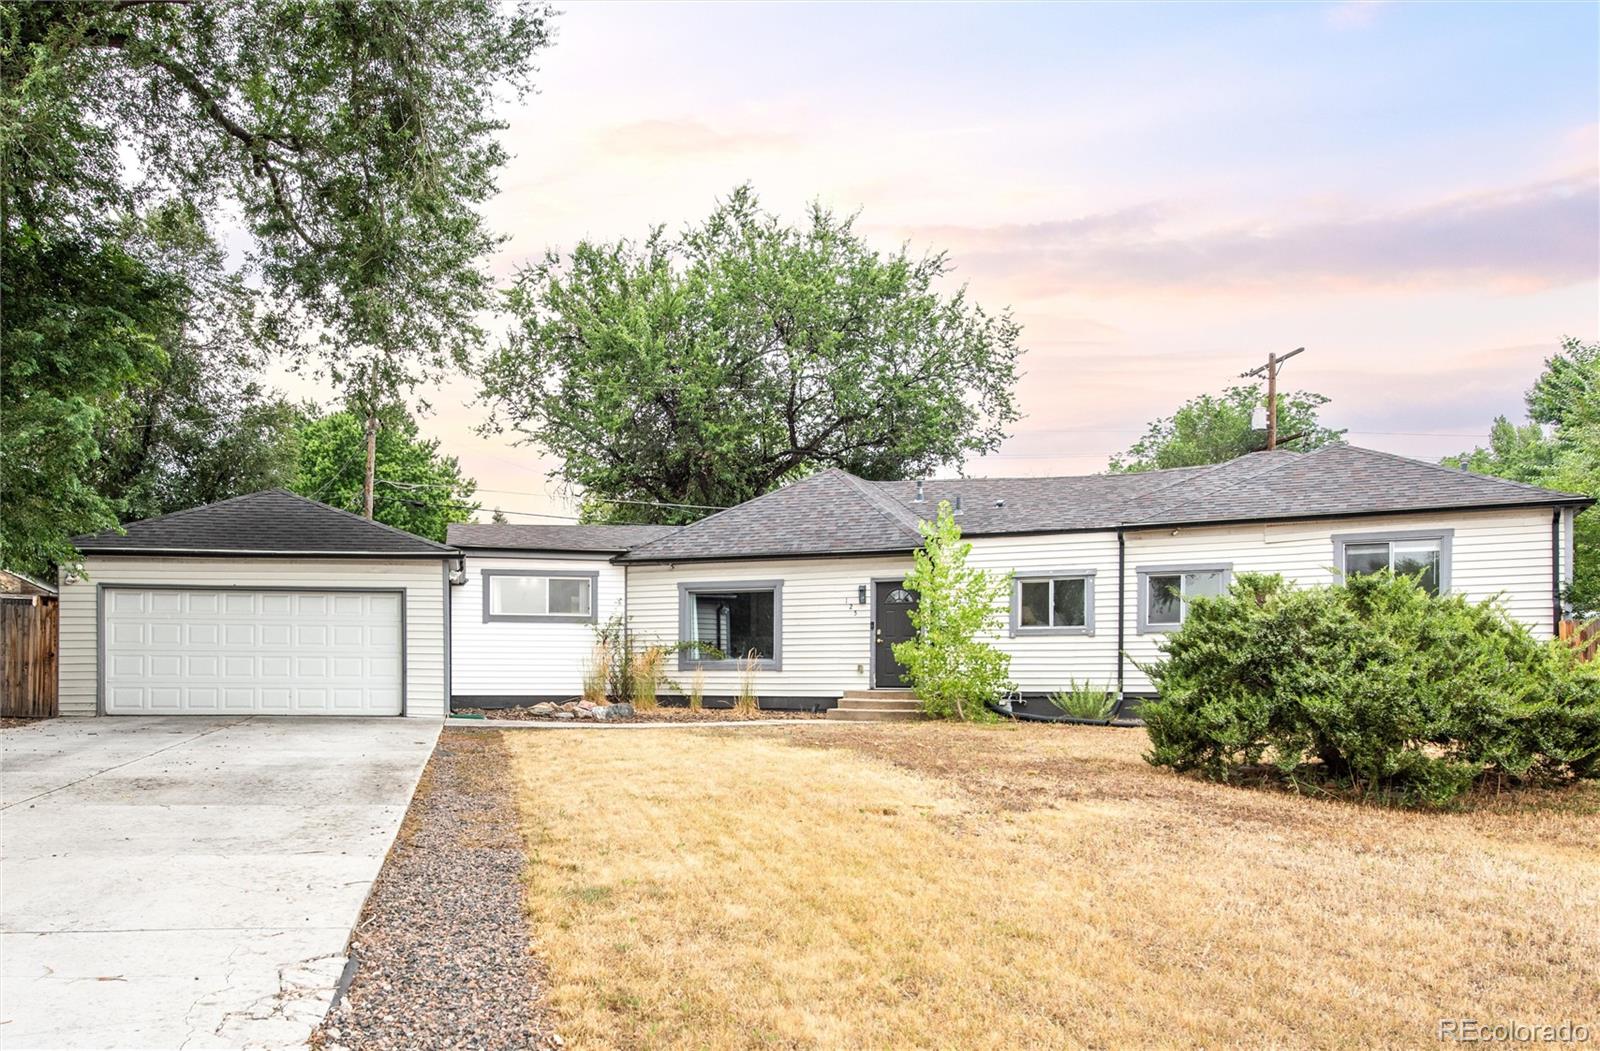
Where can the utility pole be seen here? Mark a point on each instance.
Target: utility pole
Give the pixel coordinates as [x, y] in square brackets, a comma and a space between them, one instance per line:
[372, 457]
[1274, 363]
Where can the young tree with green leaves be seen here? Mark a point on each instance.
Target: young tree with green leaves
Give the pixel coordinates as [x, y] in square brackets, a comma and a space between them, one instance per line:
[1216, 428]
[418, 489]
[1559, 448]
[710, 367]
[951, 664]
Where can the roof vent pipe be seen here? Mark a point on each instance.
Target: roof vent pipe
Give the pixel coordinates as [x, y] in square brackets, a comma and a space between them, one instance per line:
[957, 508]
[919, 496]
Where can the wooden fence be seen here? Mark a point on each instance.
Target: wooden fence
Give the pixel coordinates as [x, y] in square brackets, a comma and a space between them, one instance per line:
[1583, 636]
[28, 641]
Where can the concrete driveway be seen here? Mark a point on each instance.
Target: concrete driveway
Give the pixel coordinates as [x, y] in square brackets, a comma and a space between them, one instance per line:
[189, 882]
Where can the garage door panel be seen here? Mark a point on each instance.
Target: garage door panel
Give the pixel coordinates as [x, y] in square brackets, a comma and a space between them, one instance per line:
[175, 651]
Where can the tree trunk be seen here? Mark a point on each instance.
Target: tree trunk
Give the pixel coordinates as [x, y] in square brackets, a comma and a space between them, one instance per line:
[372, 456]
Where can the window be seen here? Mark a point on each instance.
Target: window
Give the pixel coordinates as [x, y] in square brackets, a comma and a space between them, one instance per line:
[1165, 592]
[721, 624]
[1425, 556]
[523, 595]
[1058, 603]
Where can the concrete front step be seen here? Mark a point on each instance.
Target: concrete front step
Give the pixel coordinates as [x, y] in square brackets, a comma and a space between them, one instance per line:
[883, 695]
[872, 715]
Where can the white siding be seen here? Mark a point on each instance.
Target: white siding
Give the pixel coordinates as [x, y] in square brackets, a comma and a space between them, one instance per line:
[422, 580]
[826, 634]
[1044, 663]
[1495, 554]
[524, 658]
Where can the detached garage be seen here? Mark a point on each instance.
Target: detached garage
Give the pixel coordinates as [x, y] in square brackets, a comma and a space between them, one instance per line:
[266, 604]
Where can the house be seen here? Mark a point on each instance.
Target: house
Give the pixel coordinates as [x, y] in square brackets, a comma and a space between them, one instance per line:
[807, 580]
[263, 604]
[275, 604]
[15, 585]
[529, 599]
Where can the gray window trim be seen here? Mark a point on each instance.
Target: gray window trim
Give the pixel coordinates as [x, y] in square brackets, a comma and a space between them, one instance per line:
[1446, 538]
[1143, 597]
[1021, 577]
[592, 575]
[686, 659]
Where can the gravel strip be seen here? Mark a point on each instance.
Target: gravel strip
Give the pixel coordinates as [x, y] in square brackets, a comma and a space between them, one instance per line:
[663, 714]
[442, 950]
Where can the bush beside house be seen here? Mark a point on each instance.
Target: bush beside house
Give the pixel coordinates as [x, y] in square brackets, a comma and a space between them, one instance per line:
[1372, 685]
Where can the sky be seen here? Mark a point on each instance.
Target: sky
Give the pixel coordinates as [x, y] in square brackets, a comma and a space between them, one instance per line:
[1161, 193]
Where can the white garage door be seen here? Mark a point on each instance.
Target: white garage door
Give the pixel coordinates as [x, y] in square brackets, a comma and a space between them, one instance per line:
[251, 652]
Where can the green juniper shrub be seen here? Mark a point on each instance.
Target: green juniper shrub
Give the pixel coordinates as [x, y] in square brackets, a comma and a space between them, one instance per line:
[1371, 685]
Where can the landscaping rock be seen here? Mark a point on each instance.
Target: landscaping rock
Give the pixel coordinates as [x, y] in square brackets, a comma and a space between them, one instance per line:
[442, 949]
[564, 715]
[584, 713]
[623, 710]
[543, 708]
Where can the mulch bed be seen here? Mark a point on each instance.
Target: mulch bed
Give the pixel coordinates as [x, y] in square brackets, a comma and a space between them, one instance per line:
[442, 949]
[660, 715]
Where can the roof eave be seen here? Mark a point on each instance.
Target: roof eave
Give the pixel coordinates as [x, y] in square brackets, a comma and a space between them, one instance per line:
[659, 560]
[180, 552]
[1561, 500]
[502, 549]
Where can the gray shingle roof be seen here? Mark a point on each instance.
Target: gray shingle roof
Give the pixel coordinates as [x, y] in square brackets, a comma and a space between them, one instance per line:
[1342, 480]
[832, 513]
[271, 522]
[596, 539]
[835, 513]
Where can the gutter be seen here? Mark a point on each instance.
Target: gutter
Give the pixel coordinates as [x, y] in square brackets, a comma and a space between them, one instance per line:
[228, 552]
[1577, 503]
[1555, 571]
[1122, 619]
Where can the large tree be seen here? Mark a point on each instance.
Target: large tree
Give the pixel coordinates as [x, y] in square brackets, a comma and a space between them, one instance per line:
[418, 489]
[1559, 447]
[1215, 428]
[201, 426]
[711, 366]
[354, 140]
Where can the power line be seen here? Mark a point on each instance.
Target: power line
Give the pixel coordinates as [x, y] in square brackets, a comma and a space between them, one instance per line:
[522, 492]
[1274, 363]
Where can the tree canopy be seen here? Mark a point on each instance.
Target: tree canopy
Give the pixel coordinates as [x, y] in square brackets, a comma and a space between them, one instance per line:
[353, 141]
[710, 367]
[1559, 448]
[1216, 428]
[418, 488]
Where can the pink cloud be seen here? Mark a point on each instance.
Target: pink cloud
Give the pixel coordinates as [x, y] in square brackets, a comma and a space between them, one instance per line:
[1535, 236]
[679, 137]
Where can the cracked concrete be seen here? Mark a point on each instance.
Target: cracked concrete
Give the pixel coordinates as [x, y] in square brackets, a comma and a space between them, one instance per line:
[189, 882]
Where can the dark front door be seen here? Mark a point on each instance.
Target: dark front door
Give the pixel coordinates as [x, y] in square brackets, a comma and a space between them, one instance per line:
[891, 615]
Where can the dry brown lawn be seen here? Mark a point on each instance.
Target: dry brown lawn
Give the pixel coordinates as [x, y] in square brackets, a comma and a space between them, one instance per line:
[953, 886]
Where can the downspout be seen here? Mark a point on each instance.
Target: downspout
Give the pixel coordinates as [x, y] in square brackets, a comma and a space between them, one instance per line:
[449, 602]
[1122, 620]
[1555, 572]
